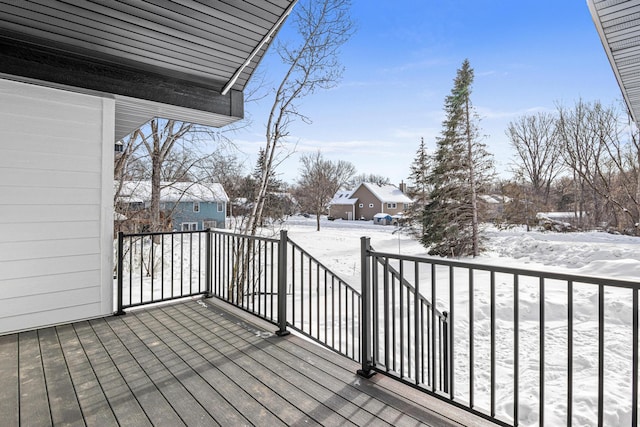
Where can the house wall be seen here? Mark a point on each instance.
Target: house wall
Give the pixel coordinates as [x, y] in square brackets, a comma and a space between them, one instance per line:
[366, 198]
[56, 215]
[400, 207]
[208, 212]
[345, 212]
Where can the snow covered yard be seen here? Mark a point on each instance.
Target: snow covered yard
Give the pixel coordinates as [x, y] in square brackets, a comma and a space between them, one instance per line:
[591, 254]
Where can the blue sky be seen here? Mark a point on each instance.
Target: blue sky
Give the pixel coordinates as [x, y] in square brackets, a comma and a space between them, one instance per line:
[527, 56]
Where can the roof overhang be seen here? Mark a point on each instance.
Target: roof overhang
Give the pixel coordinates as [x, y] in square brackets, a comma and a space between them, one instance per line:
[184, 60]
[618, 24]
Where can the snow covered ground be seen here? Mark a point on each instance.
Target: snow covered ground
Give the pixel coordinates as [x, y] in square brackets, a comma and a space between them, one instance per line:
[590, 253]
[599, 254]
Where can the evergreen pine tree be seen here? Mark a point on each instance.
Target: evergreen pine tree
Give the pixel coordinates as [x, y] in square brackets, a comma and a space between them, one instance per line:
[461, 167]
[419, 191]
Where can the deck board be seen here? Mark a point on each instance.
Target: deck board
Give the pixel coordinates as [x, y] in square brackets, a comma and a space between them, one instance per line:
[88, 390]
[154, 404]
[211, 367]
[9, 380]
[196, 363]
[169, 383]
[123, 403]
[293, 393]
[34, 404]
[59, 385]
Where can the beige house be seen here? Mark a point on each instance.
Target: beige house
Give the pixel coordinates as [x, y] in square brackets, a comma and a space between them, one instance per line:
[367, 200]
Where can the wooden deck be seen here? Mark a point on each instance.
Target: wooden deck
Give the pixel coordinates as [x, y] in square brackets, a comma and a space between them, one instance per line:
[196, 363]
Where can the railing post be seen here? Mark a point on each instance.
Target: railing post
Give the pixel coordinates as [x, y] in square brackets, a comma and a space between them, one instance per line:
[119, 270]
[209, 260]
[282, 284]
[365, 322]
[444, 357]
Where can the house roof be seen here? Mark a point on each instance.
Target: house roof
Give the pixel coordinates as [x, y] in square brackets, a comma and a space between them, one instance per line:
[140, 191]
[186, 60]
[343, 197]
[387, 193]
[618, 25]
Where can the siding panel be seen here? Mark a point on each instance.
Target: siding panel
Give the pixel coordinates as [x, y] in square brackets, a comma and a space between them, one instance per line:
[26, 286]
[51, 301]
[45, 231]
[48, 178]
[48, 266]
[30, 320]
[17, 214]
[42, 160]
[44, 196]
[52, 218]
[24, 250]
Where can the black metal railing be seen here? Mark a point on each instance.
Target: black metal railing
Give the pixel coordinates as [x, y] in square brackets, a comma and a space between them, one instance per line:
[244, 271]
[274, 279]
[320, 304]
[515, 346]
[157, 267]
[409, 338]
[524, 347]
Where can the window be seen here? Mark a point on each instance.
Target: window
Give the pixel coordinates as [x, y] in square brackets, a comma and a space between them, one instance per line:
[392, 205]
[361, 205]
[196, 206]
[189, 226]
[370, 205]
[220, 206]
[209, 224]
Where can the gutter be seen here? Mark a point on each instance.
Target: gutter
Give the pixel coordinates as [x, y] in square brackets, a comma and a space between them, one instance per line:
[257, 49]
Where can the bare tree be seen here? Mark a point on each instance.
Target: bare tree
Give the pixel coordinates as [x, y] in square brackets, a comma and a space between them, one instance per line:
[319, 180]
[582, 152]
[604, 155]
[535, 140]
[367, 177]
[323, 27]
[158, 140]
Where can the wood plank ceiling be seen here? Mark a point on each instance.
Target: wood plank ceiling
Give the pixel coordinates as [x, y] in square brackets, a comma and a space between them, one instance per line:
[189, 59]
[618, 24]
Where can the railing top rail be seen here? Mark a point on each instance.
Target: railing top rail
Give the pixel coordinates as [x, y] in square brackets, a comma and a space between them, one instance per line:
[246, 236]
[220, 232]
[295, 245]
[592, 280]
[160, 233]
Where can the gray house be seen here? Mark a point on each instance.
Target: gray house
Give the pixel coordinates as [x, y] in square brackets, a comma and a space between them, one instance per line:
[75, 77]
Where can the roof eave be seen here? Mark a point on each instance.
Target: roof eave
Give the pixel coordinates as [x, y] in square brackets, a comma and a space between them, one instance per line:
[596, 17]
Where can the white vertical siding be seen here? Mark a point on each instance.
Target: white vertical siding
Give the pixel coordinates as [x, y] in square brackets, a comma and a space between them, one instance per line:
[56, 167]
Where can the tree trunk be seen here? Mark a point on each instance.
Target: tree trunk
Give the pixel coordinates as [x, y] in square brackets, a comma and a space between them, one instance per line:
[472, 181]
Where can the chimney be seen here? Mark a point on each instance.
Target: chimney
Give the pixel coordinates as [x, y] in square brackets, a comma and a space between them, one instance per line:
[403, 186]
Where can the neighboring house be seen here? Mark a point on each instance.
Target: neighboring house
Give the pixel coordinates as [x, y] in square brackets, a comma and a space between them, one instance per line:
[186, 206]
[493, 206]
[75, 78]
[367, 200]
[343, 206]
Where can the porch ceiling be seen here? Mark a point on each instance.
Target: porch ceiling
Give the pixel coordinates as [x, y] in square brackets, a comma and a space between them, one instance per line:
[188, 60]
[618, 24]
